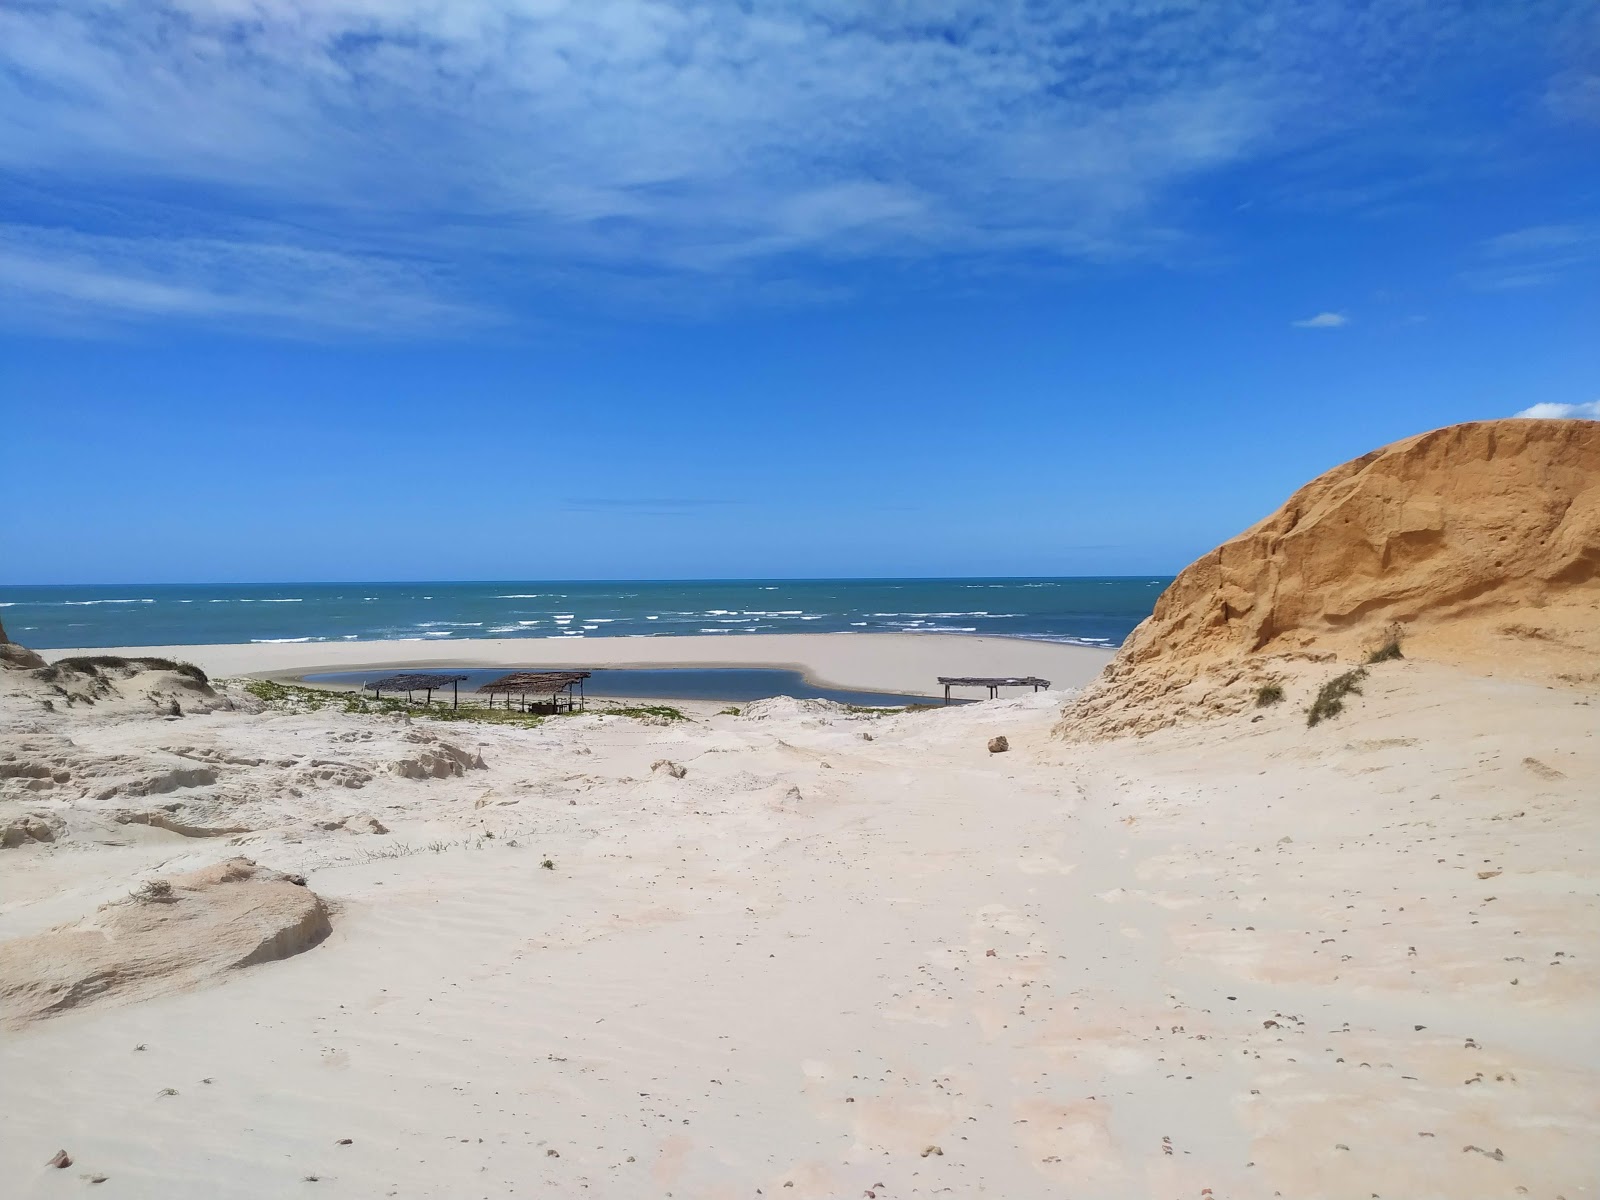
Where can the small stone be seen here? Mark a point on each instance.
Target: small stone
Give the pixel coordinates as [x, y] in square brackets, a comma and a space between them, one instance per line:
[552, 1153]
[61, 1161]
[999, 745]
[927, 1150]
[346, 1141]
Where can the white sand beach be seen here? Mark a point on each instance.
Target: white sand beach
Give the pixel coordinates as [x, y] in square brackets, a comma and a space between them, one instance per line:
[890, 662]
[839, 955]
[1286, 903]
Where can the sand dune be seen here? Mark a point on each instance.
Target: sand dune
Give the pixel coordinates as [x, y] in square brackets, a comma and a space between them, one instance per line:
[1477, 545]
[842, 953]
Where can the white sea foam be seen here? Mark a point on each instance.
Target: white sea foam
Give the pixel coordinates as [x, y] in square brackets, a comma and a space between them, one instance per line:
[80, 603]
[267, 641]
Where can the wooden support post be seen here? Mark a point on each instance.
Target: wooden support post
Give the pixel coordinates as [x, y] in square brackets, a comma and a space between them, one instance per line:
[947, 693]
[455, 694]
[427, 698]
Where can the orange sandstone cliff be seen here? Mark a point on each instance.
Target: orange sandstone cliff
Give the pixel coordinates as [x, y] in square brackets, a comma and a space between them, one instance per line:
[1481, 541]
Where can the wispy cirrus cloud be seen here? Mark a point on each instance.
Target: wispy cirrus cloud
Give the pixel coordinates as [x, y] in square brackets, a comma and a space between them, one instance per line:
[1533, 256]
[53, 278]
[535, 145]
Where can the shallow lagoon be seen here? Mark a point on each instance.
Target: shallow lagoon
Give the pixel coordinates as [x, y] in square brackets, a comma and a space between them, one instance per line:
[732, 684]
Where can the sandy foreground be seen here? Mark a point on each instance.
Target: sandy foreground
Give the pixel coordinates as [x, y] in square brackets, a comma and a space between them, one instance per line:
[841, 955]
[888, 662]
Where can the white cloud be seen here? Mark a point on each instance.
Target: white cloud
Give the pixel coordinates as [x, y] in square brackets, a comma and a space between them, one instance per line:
[1532, 257]
[532, 144]
[52, 276]
[1323, 320]
[1582, 412]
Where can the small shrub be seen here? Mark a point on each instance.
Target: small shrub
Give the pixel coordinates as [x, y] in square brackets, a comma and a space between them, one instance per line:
[177, 668]
[154, 891]
[1390, 649]
[731, 711]
[1330, 698]
[1269, 694]
[548, 864]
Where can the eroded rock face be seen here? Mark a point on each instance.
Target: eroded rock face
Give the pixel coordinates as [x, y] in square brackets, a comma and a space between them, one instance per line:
[171, 934]
[437, 760]
[29, 827]
[1481, 540]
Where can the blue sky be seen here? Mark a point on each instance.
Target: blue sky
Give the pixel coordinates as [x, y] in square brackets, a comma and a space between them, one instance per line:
[719, 289]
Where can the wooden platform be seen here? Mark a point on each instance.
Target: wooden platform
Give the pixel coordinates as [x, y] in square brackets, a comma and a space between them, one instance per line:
[993, 682]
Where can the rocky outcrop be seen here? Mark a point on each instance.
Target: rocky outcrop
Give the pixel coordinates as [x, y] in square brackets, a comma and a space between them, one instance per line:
[169, 934]
[29, 827]
[1478, 543]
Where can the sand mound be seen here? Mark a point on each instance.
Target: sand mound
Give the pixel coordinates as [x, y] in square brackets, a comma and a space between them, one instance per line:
[1481, 540]
[787, 708]
[15, 657]
[438, 760]
[171, 935]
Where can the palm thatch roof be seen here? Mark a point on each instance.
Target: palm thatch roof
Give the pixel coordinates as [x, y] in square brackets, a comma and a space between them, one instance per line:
[538, 683]
[412, 682]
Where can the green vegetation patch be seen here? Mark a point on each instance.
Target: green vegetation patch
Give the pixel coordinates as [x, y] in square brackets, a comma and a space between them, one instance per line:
[1390, 649]
[638, 710]
[297, 697]
[1330, 698]
[1269, 694]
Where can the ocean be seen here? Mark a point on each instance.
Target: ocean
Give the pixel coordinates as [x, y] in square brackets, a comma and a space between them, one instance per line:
[1091, 612]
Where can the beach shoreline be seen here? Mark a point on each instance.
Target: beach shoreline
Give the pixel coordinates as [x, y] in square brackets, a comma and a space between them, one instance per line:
[908, 663]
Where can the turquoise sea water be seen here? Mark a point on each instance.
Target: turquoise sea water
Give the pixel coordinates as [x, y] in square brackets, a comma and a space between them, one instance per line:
[1095, 612]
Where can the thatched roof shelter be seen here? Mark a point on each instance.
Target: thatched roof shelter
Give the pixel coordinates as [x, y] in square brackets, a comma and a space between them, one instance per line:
[558, 685]
[417, 682]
